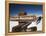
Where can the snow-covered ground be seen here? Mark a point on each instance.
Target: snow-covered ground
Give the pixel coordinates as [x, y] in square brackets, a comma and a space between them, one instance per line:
[14, 23]
[39, 26]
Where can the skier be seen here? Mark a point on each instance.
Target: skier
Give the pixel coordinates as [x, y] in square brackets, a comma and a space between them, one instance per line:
[39, 19]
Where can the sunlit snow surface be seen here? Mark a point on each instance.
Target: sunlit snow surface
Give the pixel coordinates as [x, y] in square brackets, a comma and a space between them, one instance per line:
[14, 23]
[39, 25]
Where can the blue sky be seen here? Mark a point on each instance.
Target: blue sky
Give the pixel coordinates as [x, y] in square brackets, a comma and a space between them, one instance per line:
[28, 8]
